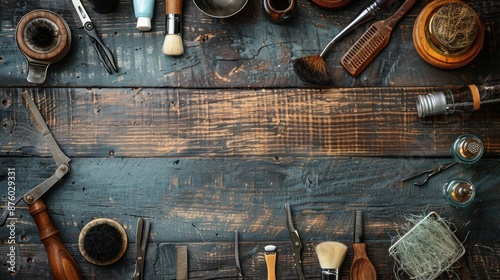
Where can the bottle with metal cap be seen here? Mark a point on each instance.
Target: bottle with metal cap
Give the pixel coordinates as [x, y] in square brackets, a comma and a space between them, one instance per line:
[462, 99]
[467, 149]
[459, 192]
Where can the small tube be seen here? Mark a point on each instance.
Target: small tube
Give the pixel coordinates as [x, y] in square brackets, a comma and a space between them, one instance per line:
[143, 10]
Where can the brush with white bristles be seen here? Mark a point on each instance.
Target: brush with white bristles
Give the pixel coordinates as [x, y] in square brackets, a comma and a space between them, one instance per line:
[271, 261]
[173, 28]
[331, 255]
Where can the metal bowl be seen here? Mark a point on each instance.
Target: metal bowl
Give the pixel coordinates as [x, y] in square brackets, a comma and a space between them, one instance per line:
[220, 8]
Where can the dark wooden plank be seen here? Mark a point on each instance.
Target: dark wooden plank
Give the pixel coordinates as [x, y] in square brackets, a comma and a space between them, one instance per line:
[205, 200]
[243, 51]
[153, 122]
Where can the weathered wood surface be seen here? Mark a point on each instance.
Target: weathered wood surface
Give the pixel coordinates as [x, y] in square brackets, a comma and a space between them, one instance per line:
[200, 202]
[222, 137]
[243, 51]
[153, 122]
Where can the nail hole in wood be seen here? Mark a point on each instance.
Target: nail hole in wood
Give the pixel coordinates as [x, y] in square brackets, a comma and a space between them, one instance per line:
[6, 102]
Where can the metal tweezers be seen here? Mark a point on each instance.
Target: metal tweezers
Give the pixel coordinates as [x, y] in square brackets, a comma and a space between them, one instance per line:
[430, 172]
[103, 52]
[141, 242]
[297, 244]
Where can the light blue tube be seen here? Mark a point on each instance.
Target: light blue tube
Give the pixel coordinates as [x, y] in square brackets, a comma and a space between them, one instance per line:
[143, 10]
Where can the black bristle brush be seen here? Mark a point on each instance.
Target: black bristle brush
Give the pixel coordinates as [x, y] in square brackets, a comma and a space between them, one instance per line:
[102, 241]
[313, 69]
[43, 37]
[40, 33]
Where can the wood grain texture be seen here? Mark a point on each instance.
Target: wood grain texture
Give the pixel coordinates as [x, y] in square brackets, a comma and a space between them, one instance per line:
[153, 122]
[222, 137]
[203, 201]
[245, 50]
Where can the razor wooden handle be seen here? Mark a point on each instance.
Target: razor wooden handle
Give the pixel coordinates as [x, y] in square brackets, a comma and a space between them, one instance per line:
[62, 264]
[271, 266]
[173, 7]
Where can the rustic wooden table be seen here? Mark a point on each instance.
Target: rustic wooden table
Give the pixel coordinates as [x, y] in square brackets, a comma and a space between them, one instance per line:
[219, 139]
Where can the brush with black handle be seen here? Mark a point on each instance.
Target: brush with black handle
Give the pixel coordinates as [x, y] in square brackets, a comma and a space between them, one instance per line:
[313, 69]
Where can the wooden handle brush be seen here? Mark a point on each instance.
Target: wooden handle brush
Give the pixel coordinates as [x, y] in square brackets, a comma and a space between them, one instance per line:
[62, 264]
[271, 261]
[313, 69]
[373, 41]
[331, 255]
[173, 28]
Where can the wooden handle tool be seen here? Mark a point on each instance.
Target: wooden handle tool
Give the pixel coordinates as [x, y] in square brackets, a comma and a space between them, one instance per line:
[373, 41]
[362, 268]
[271, 262]
[62, 265]
[173, 7]
[173, 45]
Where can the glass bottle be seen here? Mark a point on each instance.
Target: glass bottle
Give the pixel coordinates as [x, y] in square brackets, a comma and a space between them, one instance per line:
[459, 192]
[467, 149]
[463, 99]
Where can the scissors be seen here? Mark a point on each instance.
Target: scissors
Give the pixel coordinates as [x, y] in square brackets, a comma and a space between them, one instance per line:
[430, 172]
[141, 242]
[297, 244]
[103, 52]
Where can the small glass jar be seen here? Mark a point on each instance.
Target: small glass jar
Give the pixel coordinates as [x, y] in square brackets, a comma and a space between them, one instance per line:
[459, 192]
[467, 149]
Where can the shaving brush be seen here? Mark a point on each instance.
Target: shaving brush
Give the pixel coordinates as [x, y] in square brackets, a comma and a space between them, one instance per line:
[102, 241]
[173, 27]
[331, 255]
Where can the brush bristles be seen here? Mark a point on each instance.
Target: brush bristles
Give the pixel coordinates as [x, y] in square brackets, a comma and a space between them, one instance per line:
[40, 33]
[331, 254]
[312, 70]
[173, 45]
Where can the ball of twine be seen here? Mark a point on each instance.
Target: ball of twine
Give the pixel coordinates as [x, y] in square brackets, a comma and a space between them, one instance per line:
[455, 26]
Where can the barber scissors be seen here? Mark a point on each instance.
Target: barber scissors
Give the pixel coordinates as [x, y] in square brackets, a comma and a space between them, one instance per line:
[141, 242]
[297, 244]
[103, 52]
[430, 172]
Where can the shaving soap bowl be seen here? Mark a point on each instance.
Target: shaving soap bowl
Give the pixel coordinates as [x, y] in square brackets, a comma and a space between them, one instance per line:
[220, 8]
[43, 37]
[448, 34]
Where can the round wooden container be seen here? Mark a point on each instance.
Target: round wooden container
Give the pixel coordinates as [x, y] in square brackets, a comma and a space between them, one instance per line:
[102, 241]
[432, 50]
[61, 34]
